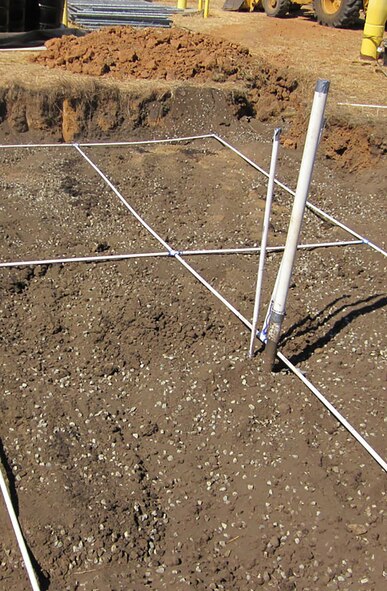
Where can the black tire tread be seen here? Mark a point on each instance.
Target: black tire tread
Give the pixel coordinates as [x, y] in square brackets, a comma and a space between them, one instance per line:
[344, 18]
[282, 8]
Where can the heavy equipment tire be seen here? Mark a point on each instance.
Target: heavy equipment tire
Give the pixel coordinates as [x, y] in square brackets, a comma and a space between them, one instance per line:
[337, 13]
[294, 7]
[276, 7]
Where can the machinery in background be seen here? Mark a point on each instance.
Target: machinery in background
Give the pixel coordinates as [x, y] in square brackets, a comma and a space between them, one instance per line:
[332, 13]
[374, 27]
[29, 15]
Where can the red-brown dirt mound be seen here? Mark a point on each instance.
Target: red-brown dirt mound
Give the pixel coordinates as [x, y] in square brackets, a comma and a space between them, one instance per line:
[127, 53]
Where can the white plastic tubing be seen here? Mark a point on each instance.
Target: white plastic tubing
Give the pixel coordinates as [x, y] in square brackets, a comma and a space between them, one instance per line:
[319, 212]
[244, 320]
[265, 234]
[302, 191]
[139, 255]
[18, 534]
[226, 144]
[304, 179]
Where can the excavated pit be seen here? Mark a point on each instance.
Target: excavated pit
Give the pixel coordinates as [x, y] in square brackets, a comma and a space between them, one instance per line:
[144, 449]
[130, 82]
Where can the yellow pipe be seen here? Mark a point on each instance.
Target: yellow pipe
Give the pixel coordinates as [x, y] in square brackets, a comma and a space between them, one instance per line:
[374, 28]
[181, 4]
[206, 8]
[65, 19]
[200, 5]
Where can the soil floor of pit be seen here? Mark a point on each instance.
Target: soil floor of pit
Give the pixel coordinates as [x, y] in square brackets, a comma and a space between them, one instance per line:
[144, 450]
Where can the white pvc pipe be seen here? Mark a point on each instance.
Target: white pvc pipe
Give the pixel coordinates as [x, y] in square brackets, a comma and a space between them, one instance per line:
[255, 249]
[232, 308]
[112, 144]
[91, 259]
[211, 289]
[139, 255]
[360, 105]
[265, 233]
[142, 142]
[339, 224]
[123, 200]
[41, 48]
[309, 205]
[18, 534]
[334, 411]
[302, 191]
[313, 136]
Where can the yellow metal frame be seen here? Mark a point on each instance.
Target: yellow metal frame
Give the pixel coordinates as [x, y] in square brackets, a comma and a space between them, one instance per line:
[65, 18]
[374, 28]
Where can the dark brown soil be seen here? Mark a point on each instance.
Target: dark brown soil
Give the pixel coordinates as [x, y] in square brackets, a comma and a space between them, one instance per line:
[143, 449]
[147, 451]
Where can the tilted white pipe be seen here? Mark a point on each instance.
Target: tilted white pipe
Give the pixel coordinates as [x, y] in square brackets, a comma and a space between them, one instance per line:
[304, 179]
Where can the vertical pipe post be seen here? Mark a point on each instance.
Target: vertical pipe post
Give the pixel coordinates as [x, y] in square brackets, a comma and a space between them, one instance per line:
[265, 233]
[65, 18]
[181, 4]
[312, 141]
[200, 5]
[206, 11]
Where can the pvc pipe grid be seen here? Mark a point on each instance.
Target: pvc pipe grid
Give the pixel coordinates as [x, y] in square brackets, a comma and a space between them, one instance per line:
[178, 255]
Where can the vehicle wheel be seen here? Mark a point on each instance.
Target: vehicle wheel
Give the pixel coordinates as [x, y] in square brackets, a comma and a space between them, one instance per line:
[337, 13]
[276, 7]
[295, 7]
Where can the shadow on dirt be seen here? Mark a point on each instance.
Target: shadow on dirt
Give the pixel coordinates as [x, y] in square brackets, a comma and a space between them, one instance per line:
[310, 325]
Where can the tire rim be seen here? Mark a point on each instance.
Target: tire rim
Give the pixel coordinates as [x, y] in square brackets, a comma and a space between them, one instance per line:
[331, 6]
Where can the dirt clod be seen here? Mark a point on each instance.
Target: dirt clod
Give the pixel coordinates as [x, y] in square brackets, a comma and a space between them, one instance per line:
[175, 54]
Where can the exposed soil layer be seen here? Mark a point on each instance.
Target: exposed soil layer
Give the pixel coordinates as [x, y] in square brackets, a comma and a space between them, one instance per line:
[93, 109]
[125, 53]
[129, 79]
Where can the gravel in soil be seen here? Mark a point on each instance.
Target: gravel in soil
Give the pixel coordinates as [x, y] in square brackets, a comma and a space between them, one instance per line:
[145, 450]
